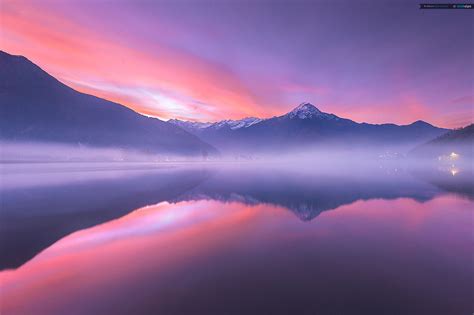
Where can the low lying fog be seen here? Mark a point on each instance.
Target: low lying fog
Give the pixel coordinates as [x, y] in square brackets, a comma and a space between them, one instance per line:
[336, 157]
[49, 152]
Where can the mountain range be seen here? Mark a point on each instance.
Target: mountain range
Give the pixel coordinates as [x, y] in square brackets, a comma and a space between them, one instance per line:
[36, 107]
[306, 127]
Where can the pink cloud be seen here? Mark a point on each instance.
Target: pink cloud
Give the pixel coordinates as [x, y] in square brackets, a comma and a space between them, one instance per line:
[75, 55]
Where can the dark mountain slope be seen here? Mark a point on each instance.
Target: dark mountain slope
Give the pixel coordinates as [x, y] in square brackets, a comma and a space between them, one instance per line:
[459, 143]
[35, 107]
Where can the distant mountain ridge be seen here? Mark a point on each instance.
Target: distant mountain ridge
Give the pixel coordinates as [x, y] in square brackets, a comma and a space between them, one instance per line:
[303, 111]
[35, 107]
[307, 126]
[458, 141]
[457, 135]
[195, 127]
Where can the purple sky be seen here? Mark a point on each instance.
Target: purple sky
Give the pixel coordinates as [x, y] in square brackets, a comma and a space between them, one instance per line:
[373, 61]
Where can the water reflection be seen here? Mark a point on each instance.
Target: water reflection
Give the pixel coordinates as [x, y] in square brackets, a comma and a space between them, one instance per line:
[39, 207]
[449, 179]
[44, 203]
[386, 239]
[308, 193]
[375, 256]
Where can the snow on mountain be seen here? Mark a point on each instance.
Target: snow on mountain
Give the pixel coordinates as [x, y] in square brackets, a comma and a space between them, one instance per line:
[237, 124]
[229, 123]
[190, 124]
[303, 111]
[308, 111]
[303, 127]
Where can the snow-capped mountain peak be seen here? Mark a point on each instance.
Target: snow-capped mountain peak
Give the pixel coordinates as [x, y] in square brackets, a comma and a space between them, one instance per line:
[308, 111]
[305, 110]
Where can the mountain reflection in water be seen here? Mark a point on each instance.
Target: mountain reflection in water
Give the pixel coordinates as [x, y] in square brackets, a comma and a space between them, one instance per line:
[226, 240]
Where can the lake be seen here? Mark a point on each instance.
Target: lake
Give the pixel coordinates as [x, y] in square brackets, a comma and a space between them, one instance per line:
[250, 238]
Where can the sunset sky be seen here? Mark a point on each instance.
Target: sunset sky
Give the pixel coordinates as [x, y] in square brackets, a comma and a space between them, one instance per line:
[374, 61]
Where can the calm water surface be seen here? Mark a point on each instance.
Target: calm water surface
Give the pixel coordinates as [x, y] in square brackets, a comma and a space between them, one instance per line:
[235, 240]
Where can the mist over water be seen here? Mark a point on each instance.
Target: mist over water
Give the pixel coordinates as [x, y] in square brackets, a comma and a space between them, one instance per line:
[18, 151]
[364, 235]
[332, 155]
